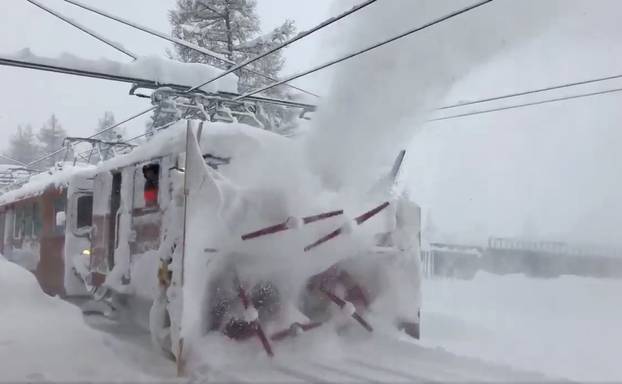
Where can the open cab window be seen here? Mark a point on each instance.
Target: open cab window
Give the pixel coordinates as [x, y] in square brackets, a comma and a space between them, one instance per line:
[147, 186]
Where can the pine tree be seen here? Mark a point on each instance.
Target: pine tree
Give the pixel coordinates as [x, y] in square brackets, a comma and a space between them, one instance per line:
[112, 135]
[231, 29]
[106, 121]
[23, 145]
[51, 136]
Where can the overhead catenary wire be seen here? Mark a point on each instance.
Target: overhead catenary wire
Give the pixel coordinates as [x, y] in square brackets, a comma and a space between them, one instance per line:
[330, 63]
[13, 62]
[177, 41]
[529, 104]
[96, 134]
[18, 162]
[365, 50]
[299, 36]
[328, 22]
[13, 160]
[533, 91]
[163, 126]
[84, 29]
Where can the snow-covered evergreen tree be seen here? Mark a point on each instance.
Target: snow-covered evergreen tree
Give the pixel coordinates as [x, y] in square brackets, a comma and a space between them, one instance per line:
[107, 121]
[23, 145]
[51, 136]
[113, 135]
[231, 29]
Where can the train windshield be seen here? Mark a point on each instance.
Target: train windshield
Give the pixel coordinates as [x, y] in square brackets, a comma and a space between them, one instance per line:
[85, 211]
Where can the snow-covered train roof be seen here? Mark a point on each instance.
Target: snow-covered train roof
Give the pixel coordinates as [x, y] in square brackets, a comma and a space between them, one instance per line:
[38, 183]
[235, 140]
[227, 139]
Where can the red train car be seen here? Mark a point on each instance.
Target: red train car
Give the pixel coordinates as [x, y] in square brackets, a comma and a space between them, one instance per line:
[31, 237]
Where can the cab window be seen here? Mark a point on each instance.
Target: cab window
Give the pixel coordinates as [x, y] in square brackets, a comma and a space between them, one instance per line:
[84, 215]
[147, 186]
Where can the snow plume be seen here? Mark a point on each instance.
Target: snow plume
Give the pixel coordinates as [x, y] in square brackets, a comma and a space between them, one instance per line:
[379, 100]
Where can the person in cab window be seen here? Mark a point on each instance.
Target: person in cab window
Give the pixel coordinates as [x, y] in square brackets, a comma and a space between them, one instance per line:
[151, 173]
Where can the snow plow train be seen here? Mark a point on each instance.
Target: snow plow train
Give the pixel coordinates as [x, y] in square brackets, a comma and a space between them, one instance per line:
[184, 225]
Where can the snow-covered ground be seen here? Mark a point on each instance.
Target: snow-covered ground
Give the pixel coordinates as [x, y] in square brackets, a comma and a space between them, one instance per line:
[567, 327]
[46, 339]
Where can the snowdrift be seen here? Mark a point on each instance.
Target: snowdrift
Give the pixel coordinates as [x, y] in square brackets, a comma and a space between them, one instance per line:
[566, 327]
[43, 338]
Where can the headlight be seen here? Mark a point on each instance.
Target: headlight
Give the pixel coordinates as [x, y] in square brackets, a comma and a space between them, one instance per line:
[86, 252]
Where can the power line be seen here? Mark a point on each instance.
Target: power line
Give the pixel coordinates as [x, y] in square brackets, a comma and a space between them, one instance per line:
[336, 61]
[84, 29]
[200, 49]
[81, 154]
[299, 36]
[177, 41]
[147, 83]
[557, 99]
[13, 160]
[50, 67]
[94, 135]
[365, 50]
[551, 88]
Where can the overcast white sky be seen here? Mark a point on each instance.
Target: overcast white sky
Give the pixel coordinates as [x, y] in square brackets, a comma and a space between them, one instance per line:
[550, 171]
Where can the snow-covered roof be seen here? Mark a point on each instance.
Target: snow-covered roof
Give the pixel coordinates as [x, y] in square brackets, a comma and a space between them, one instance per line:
[218, 137]
[37, 184]
[239, 141]
[154, 68]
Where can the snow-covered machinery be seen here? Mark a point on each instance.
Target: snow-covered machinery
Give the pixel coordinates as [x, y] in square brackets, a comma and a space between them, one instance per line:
[199, 231]
[217, 227]
[257, 262]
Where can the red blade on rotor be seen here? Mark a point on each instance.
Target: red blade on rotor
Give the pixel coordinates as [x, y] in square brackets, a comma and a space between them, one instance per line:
[371, 213]
[246, 302]
[243, 297]
[284, 225]
[341, 303]
[266, 231]
[264, 340]
[359, 220]
[321, 216]
[362, 321]
[324, 239]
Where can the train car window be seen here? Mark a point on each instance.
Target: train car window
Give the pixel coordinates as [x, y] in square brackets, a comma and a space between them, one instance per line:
[151, 173]
[85, 211]
[18, 223]
[36, 220]
[27, 218]
[146, 186]
[59, 206]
